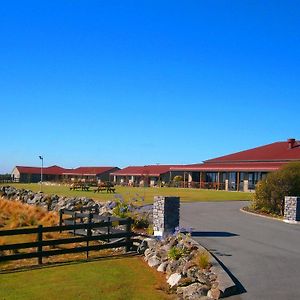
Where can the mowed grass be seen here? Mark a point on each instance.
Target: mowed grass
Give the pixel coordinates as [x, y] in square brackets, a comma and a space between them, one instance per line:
[185, 194]
[115, 278]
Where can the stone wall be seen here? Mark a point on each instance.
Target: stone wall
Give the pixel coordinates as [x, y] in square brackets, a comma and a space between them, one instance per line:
[165, 215]
[292, 209]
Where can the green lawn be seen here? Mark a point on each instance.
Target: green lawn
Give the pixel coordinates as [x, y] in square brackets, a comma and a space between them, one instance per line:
[186, 195]
[112, 278]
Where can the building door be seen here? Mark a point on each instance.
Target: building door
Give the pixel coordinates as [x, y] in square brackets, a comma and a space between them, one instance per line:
[232, 181]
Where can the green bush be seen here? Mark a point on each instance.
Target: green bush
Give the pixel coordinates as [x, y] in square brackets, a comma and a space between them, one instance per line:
[175, 253]
[121, 210]
[178, 178]
[270, 192]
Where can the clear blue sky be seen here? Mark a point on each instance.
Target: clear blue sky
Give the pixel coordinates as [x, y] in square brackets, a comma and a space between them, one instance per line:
[144, 82]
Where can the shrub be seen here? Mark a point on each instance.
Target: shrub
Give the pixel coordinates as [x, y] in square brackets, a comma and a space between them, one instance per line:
[202, 260]
[175, 253]
[270, 192]
[150, 230]
[178, 178]
[121, 210]
[140, 222]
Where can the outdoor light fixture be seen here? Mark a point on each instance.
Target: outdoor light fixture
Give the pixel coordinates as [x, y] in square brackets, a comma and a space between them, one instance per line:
[42, 159]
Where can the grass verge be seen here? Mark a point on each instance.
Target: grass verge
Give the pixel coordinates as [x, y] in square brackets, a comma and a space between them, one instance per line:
[185, 194]
[118, 278]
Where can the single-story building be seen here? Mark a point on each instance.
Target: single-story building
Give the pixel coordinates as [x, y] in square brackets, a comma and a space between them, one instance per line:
[56, 173]
[242, 170]
[89, 173]
[150, 175]
[33, 174]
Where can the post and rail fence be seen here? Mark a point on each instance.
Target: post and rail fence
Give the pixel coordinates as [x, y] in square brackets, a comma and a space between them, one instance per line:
[91, 231]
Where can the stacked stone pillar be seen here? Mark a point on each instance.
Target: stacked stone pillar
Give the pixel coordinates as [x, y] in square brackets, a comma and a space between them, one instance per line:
[291, 209]
[165, 215]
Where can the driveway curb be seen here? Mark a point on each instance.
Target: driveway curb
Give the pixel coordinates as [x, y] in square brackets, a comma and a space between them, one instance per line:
[259, 215]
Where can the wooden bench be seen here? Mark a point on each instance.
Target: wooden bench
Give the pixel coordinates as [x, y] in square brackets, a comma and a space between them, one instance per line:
[108, 189]
[75, 187]
[99, 189]
[111, 190]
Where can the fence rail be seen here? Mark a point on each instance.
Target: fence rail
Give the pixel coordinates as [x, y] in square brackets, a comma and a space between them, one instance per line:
[123, 236]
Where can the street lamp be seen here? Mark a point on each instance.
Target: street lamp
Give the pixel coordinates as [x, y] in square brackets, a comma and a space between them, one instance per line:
[42, 159]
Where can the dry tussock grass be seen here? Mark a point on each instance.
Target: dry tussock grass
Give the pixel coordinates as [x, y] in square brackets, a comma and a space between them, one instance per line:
[15, 214]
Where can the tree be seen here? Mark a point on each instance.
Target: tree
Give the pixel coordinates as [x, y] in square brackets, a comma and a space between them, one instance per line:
[270, 192]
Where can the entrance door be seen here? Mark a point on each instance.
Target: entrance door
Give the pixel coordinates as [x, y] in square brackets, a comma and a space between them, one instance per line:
[232, 181]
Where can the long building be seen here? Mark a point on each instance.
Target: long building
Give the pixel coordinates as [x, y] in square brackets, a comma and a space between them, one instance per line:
[242, 170]
[56, 173]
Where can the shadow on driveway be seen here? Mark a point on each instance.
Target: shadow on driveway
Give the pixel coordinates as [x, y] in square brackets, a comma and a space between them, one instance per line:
[213, 234]
[239, 288]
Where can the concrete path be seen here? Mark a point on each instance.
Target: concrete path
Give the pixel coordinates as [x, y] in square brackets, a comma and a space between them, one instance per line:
[262, 254]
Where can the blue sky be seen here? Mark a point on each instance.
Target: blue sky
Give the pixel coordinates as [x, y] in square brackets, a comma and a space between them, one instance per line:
[144, 82]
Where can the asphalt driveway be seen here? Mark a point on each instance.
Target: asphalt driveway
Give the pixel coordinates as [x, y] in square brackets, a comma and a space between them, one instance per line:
[262, 254]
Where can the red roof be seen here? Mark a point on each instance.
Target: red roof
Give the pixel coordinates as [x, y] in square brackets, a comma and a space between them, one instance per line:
[151, 170]
[53, 170]
[56, 170]
[264, 158]
[232, 167]
[279, 151]
[88, 170]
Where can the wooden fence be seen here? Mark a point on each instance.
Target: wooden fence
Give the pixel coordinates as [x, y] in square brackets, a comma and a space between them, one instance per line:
[123, 239]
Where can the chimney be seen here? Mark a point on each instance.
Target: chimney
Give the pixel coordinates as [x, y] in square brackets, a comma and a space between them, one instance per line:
[291, 143]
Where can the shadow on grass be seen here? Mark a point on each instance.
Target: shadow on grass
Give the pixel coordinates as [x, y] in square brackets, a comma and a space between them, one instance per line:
[68, 262]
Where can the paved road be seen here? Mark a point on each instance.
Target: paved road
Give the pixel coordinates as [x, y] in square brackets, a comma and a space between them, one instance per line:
[263, 254]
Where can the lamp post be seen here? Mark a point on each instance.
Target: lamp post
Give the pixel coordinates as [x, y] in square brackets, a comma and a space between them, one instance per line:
[42, 159]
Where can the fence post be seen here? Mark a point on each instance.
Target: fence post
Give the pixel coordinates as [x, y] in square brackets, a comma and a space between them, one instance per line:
[89, 233]
[60, 218]
[81, 211]
[108, 229]
[74, 223]
[40, 246]
[128, 231]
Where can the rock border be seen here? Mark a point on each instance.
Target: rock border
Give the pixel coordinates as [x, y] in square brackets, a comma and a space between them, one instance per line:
[185, 277]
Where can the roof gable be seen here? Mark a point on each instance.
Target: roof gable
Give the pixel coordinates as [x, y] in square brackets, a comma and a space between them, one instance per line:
[279, 151]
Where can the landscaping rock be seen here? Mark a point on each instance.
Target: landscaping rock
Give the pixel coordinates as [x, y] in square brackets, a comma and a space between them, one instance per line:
[162, 267]
[214, 293]
[174, 279]
[153, 261]
[193, 291]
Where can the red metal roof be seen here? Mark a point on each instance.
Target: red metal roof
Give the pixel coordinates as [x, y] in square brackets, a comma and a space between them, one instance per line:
[56, 170]
[151, 170]
[278, 151]
[232, 167]
[53, 170]
[88, 170]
